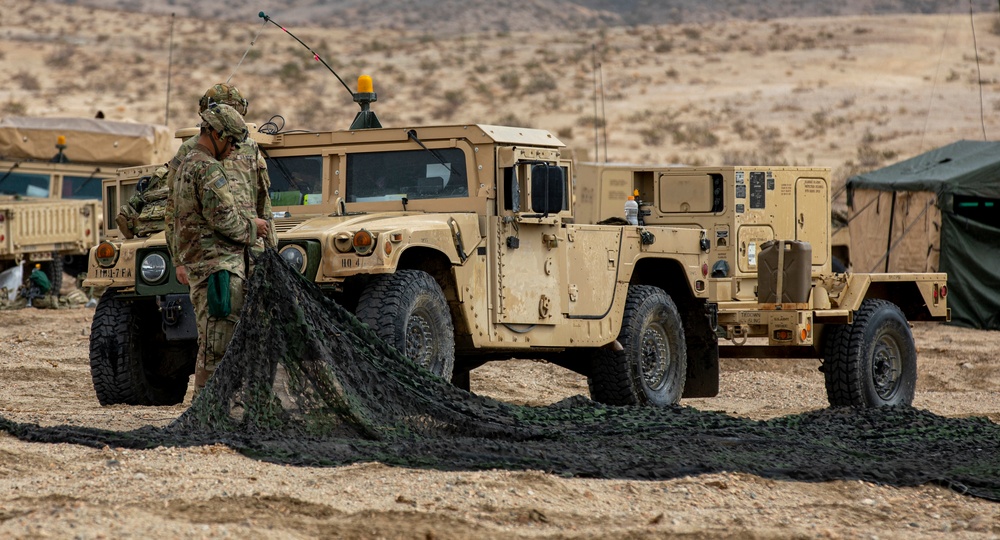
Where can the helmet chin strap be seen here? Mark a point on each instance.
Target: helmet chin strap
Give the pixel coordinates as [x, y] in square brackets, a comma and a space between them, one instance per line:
[215, 147]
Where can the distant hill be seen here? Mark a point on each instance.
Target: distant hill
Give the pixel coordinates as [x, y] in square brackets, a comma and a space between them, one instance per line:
[475, 16]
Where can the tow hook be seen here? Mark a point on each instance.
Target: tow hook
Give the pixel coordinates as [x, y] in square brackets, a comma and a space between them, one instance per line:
[171, 310]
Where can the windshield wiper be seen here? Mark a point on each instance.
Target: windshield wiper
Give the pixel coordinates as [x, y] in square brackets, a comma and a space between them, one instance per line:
[10, 170]
[413, 135]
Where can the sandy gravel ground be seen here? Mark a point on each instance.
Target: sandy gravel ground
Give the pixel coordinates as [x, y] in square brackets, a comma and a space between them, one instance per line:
[68, 491]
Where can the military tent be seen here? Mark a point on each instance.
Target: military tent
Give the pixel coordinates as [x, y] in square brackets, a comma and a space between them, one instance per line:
[936, 212]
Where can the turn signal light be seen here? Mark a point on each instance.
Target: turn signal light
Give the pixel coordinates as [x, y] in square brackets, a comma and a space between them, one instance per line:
[106, 254]
[363, 242]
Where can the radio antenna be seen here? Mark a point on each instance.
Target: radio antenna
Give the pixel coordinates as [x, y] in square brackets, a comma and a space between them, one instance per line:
[245, 53]
[266, 18]
[170, 63]
[604, 118]
[597, 151]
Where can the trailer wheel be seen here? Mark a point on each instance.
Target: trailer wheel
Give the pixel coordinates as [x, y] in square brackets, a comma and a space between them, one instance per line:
[872, 362]
[409, 311]
[130, 361]
[652, 367]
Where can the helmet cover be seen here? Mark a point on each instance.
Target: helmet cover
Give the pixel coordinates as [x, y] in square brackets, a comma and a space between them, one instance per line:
[224, 93]
[226, 121]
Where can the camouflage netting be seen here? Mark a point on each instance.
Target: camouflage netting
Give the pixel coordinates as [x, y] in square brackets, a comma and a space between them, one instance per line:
[305, 383]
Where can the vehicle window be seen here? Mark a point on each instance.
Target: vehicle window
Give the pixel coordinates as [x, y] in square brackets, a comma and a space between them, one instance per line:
[295, 180]
[414, 174]
[26, 184]
[81, 187]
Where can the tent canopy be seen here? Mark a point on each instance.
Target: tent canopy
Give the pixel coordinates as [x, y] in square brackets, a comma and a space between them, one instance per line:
[960, 168]
[935, 212]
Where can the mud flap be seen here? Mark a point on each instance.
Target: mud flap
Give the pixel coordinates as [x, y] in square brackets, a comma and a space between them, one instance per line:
[702, 355]
[178, 317]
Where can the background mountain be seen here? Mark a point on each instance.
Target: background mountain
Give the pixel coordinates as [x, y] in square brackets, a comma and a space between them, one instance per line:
[469, 16]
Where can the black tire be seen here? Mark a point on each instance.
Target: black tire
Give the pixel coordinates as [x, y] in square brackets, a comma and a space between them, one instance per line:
[872, 362]
[130, 361]
[54, 269]
[652, 367]
[409, 311]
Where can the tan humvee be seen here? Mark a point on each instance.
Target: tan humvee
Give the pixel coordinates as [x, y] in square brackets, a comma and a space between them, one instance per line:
[51, 171]
[469, 243]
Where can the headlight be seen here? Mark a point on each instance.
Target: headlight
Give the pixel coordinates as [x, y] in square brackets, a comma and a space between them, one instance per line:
[106, 254]
[295, 256]
[153, 268]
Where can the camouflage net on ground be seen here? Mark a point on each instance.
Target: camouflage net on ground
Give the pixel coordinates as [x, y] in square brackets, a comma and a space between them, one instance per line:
[305, 383]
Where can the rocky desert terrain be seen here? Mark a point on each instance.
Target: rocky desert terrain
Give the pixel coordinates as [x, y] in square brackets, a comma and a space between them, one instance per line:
[851, 93]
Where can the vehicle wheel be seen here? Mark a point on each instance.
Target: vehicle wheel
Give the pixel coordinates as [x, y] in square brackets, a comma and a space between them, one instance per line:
[408, 310]
[54, 269]
[652, 367]
[872, 362]
[130, 361]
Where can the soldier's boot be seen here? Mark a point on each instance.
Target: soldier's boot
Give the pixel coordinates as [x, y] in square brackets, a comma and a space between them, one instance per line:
[123, 226]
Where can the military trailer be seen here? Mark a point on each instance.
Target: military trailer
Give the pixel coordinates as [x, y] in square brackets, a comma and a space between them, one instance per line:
[772, 290]
[465, 244]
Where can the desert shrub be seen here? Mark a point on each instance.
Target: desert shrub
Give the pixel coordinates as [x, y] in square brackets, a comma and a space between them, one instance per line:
[699, 135]
[61, 57]
[291, 72]
[454, 98]
[511, 119]
[510, 81]
[589, 121]
[651, 136]
[540, 82]
[27, 81]
[14, 108]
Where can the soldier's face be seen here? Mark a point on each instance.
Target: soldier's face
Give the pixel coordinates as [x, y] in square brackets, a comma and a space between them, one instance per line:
[227, 145]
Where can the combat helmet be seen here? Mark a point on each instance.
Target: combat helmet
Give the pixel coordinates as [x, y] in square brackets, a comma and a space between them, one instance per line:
[224, 93]
[225, 120]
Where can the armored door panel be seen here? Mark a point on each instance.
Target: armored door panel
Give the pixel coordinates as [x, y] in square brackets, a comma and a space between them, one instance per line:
[812, 216]
[591, 270]
[530, 259]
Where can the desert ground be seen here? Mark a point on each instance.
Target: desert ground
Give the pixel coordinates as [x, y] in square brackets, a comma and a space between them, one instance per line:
[851, 93]
[69, 491]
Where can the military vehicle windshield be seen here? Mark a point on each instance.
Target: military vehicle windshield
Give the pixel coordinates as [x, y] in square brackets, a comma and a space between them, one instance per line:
[28, 185]
[295, 180]
[81, 187]
[414, 174]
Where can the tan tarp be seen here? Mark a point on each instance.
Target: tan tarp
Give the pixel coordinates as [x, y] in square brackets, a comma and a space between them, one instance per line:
[88, 140]
[915, 245]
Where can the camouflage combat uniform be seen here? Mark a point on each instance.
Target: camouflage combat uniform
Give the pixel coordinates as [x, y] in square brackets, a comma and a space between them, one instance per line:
[245, 165]
[215, 231]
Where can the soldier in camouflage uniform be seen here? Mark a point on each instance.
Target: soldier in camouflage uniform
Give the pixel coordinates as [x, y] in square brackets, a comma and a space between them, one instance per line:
[216, 229]
[246, 163]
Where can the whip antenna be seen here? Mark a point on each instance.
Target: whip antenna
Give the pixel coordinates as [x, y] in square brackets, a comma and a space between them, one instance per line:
[245, 53]
[170, 62]
[266, 18]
